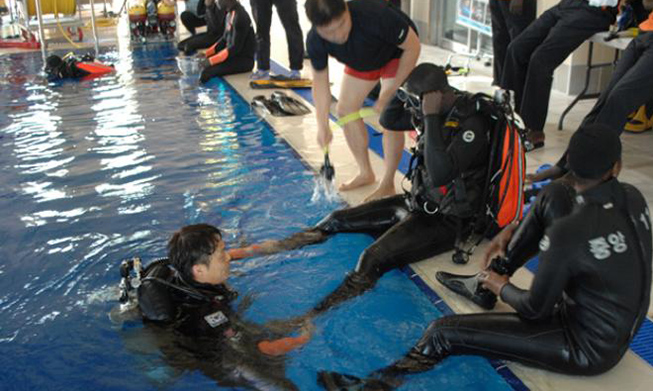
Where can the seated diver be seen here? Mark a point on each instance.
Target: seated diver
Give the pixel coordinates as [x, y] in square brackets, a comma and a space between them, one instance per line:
[587, 300]
[453, 151]
[215, 21]
[186, 293]
[234, 52]
[192, 19]
[630, 87]
[73, 67]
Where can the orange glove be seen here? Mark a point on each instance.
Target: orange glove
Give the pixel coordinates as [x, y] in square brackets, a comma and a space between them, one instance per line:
[282, 346]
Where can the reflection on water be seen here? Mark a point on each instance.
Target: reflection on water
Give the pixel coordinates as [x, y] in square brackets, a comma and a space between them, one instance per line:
[97, 171]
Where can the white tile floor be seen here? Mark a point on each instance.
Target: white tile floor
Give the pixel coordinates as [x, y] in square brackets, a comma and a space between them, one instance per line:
[632, 373]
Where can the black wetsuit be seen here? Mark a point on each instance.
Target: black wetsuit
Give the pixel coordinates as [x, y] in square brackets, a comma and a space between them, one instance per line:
[215, 22]
[192, 20]
[506, 26]
[630, 87]
[534, 55]
[376, 32]
[195, 328]
[407, 227]
[587, 300]
[287, 10]
[555, 201]
[240, 42]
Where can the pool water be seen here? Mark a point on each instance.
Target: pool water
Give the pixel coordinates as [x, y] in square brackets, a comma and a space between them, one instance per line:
[93, 172]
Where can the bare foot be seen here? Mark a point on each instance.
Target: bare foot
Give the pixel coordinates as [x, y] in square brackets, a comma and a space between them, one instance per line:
[381, 192]
[359, 181]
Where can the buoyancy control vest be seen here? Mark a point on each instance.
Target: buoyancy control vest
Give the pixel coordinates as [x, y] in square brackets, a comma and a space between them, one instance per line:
[163, 296]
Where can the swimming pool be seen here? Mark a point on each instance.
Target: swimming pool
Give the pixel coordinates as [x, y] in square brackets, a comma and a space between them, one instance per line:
[97, 171]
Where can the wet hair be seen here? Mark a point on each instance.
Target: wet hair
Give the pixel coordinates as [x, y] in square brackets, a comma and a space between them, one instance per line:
[426, 77]
[53, 65]
[193, 245]
[322, 12]
[593, 151]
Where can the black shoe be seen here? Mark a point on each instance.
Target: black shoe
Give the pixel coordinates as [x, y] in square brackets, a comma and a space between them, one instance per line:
[469, 287]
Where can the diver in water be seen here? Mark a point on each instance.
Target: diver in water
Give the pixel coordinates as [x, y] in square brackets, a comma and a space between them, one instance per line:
[588, 298]
[453, 151]
[72, 67]
[186, 306]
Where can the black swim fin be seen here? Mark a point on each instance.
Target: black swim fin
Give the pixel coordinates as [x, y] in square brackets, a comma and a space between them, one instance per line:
[290, 105]
[469, 287]
[327, 171]
[268, 106]
[333, 381]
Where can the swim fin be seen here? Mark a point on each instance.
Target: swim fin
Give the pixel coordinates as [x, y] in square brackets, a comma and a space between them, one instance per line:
[275, 83]
[340, 382]
[288, 104]
[327, 171]
[268, 106]
[469, 287]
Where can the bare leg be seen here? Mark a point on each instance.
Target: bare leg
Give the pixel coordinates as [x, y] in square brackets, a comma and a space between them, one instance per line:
[352, 95]
[393, 146]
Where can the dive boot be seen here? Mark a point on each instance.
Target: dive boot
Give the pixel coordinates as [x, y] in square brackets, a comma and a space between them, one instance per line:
[468, 286]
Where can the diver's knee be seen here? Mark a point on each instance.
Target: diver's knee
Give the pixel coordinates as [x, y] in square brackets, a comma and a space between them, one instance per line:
[370, 263]
[433, 342]
[331, 223]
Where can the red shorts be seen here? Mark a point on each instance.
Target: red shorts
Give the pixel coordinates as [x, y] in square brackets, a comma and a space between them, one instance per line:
[388, 71]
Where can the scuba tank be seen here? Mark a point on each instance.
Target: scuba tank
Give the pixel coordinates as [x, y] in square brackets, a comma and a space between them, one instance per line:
[137, 19]
[152, 19]
[166, 18]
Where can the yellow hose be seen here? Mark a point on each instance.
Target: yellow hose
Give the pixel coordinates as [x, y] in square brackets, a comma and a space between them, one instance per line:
[103, 22]
[56, 16]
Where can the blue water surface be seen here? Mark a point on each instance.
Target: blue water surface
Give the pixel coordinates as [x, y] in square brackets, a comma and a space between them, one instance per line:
[93, 172]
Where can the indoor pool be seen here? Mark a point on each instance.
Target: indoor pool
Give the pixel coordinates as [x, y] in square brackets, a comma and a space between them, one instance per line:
[97, 171]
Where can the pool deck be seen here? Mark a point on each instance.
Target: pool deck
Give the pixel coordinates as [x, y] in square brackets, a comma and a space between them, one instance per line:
[633, 372]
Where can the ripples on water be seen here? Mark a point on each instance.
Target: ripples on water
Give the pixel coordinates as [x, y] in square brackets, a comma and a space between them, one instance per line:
[96, 171]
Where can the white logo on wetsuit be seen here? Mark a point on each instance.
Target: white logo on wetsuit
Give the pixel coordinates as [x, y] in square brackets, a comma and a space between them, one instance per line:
[600, 247]
[468, 136]
[545, 243]
[216, 319]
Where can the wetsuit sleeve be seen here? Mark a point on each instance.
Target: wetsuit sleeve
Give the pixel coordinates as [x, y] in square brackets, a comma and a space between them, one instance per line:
[445, 162]
[317, 51]
[549, 282]
[242, 25]
[553, 202]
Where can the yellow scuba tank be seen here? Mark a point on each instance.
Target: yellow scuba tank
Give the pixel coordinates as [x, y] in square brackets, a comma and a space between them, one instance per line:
[166, 10]
[137, 11]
